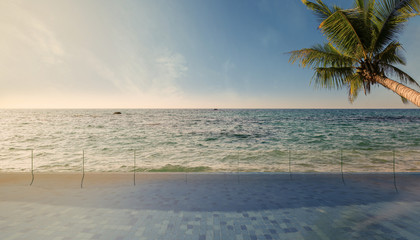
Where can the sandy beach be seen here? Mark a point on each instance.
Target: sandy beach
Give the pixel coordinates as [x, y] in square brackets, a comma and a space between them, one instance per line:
[209, 206]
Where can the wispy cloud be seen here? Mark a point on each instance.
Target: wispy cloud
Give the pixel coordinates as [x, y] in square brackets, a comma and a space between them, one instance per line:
[20, 26]
[143, 75]
[118, 59]
[160, 54]
[45, 39]
[171, 67]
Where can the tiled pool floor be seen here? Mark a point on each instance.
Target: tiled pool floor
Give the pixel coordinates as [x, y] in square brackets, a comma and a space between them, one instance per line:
[217, 206]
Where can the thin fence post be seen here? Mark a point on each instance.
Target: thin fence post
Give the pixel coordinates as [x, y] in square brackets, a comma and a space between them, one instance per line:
[83, 168]
[290, 165]
[393, 167]
[32, 166]
[237, 170]
[134, 168]
[186, 174]
[342, 173]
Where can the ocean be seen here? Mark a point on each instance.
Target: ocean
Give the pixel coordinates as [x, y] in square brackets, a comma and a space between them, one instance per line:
[224, 140]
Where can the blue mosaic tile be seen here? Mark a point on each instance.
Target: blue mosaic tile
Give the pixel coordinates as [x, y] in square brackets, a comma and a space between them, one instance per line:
[308, 228]
[290, 230]
[315, 211]
[268, 237]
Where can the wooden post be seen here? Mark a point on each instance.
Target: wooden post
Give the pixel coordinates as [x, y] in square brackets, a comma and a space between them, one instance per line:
[342, 174]
[237, 170]
[32, 166]
[134, 168]
[290, 166]
[393, 167]
[83, 168]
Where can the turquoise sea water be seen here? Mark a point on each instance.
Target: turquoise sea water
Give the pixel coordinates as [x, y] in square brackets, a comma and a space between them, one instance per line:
[209, 140]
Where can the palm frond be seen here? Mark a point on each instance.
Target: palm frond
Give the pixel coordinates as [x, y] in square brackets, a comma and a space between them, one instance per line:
[332, 77]
[319, 8]
[362, 45]
[354, 85]
[341, 29]
[321, 56]
[360, 3]
[370, 9]
[390, 16]
[409, 6]
[391, 54]
[367, 9]
[404, 77]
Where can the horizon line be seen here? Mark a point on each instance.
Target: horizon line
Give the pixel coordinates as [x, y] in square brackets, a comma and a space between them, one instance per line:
[205, 108]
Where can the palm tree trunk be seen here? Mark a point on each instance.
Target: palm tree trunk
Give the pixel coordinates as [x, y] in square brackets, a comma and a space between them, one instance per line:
[400, 89]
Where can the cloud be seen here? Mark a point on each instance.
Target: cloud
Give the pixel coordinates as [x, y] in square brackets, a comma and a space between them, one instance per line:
[44, 39]
[171, 68]
[64, 61]
[31, 54]
[20, 27]
[144, 75]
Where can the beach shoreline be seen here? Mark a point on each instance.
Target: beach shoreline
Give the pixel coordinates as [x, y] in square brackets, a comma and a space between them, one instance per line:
[116, 179]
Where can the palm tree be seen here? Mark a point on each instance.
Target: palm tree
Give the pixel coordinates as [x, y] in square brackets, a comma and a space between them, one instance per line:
[362, 48]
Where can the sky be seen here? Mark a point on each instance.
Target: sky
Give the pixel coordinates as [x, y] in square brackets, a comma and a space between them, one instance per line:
[170, 54]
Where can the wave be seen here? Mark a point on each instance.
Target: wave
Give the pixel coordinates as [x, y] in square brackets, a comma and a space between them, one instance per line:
[258, 139]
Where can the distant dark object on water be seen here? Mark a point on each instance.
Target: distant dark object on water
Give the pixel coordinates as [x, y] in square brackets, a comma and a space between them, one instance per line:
[117, 113]
[215, 109]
